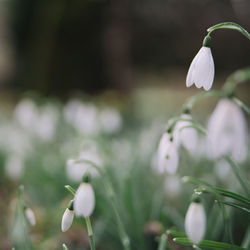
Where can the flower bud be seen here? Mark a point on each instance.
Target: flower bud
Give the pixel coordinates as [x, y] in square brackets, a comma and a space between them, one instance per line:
[195, 222]
[30, 216]
[67, 219]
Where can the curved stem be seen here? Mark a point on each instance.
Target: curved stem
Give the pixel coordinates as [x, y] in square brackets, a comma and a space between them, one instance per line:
[230, 26]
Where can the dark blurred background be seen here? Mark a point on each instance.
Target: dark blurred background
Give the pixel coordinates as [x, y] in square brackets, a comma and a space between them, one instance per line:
[58, 46]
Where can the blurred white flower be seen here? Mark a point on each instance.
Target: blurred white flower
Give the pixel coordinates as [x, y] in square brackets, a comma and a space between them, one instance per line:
[67, 219]
[227, 132]
[185, 135]
[84, 202]
[26, 112]
[110, 120]
[167, 158]
[172, 186]
[201, 70]
[30, 216]
[76, 168]
[195, 222]
[83, 117]
[45, 126]
[14, 167]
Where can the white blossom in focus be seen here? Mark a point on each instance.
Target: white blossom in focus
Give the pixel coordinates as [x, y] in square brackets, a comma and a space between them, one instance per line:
[84, 202]
[167, 158]
[227, 132]
[67, 219]
[30, 216]
[195, 222]
[201, 70]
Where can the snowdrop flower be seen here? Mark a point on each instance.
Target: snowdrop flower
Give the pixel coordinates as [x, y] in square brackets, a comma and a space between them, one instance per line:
[83, 117]
[222, 170]
[30, 216]
[167, 158]
[195, 222]
[227, 132]
[201, 70]
[110, 120]
[186, 136]
[84, 203]
[76, 168]
[68, 217]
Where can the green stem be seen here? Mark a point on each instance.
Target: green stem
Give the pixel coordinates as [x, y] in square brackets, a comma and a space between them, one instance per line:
[236, 78]
[123, 235]
[241, 178]
[241, 105]
[163, 242]
[246, 241]
[90, 233]
[196, 98]
[230, 26]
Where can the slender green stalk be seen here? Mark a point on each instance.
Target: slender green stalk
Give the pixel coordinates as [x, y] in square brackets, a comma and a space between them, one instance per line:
[90, 233]
[241, 105]
[246, 240]
[163, 242]
[196, 98]
[208, 244]
[241, 178]
[230, 26]
[70, 189]
[65, 247]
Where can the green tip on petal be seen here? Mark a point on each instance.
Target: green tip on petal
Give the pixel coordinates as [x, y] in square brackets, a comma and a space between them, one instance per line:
[196, 198]
[71, 205]
[207, 41]
[86, 178]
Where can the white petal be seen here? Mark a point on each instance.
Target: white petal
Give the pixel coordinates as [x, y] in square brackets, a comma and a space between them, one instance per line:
[30, 216]
[190, 74]
[84, 202]
[195, 222]
[201, 71]
[67, 219]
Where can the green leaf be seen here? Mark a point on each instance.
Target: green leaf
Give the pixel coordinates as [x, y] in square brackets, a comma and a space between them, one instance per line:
[65, 247]
[70, 189]
[207, 244]
[175, 233]
[236, 206]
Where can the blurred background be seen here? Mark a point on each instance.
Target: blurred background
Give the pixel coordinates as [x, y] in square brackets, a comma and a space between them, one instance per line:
[101, 78]
[57, 47]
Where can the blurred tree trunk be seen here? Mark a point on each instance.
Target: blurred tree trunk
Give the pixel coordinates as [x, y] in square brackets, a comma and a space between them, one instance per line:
[117, 45]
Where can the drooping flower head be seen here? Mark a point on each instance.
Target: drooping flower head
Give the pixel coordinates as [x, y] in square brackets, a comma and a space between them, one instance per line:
[201, 70]
[195, 221]
[84, 202]
[227, 132]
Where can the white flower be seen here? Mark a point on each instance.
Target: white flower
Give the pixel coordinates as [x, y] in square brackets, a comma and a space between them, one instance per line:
[84, 202]
[67, 219]
[195, 222]
[187, 136]
[167, 155]
[30, 216]
[201, 70]
[110, 120]
[227, 132]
